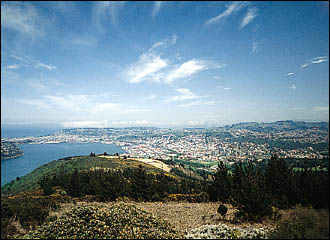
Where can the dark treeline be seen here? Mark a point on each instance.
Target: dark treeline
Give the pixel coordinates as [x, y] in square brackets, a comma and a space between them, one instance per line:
[134, 183]
[254, 190]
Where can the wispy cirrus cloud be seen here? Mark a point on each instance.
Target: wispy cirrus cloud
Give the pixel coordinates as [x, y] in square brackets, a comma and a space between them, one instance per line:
[293, 87]
[146, 68]
[290, 73]
[298, 109]
[36, 85]
[156, 8]
[165, 43]
[82, 103]
[152, 67]
[20, 16]
[256, 46]
[249, 16]
[197, 103]
[315, 60]
[189, 68]
[104, 10]
[321, 59]
[223, 87]
[26, 59]
[107, 123]
[86, 124]
[231, 8]
[48, 67]
[186, 70]
[15, 66]
[150, 97]
[304, 65]
[321, 108]
[39, 103]
[185, 94]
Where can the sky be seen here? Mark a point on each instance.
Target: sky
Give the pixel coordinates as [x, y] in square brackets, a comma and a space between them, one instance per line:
[163, 64]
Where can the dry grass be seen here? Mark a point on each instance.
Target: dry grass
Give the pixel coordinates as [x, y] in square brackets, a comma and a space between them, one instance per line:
[153, 162]
[182, 215]
[187, 216]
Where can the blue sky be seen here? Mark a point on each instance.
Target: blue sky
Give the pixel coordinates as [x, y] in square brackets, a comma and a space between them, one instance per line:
[163, 64]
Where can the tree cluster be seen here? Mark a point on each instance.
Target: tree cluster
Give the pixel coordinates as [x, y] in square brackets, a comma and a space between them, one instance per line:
[134, 183]
[254, 191]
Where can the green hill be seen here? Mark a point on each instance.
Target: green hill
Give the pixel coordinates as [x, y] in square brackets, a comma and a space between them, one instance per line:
[68, 165]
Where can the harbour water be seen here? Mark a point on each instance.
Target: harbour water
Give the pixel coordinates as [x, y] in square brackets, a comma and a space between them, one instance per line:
[36, 155]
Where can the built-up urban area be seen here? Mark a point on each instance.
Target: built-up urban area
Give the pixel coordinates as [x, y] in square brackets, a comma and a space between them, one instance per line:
[238, 142]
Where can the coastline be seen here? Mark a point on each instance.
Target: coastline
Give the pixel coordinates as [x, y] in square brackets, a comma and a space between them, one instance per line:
[17, 156]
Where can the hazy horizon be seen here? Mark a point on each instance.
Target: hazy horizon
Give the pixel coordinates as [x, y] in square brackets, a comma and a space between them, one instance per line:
[163, 64]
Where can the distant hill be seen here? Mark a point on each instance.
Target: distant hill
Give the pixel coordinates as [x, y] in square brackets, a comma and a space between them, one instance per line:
[30, 181]
[279, 126]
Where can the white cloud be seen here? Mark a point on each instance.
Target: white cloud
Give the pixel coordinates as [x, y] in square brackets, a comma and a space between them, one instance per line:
[188, 105]
[85, 105]
[150, 66]
[250, 15]
[26, 60]
[103, 10]
[105, 107]
[20, 16]
[321, 108]
[319, 59]
[150, 97]
[293, 87]
[255, 47]
[174, 38]
[145, 68]
[186, 70]
[304, 65]
[156, 8]
[223, 87]
[42, 65]
[86, 124]
[165, 43]
[9, 77]
[185, 94]
[231, 8]
[106, 123]
[12, 66]
[70, 102]
[298, 109]
[37, 85]
[35, 102]
[290, 73]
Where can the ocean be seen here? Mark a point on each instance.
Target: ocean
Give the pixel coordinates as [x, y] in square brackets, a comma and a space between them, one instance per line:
[18, 131]
[36, 155]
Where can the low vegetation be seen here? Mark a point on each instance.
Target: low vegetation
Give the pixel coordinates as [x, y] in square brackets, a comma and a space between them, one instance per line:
[245, 194]
[303, 223]
[116, 221]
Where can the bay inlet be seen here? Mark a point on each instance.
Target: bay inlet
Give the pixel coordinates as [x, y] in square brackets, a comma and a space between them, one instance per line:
[36, 155]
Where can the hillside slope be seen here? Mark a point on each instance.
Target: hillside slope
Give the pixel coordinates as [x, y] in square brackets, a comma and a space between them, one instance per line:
[68, 165]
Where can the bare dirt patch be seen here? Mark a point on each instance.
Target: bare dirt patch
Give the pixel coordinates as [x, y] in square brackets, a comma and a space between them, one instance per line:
[153, 162]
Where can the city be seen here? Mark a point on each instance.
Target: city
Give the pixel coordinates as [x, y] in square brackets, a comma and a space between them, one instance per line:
[227, 144]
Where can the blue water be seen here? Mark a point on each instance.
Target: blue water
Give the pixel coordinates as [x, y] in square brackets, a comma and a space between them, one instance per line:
[36, 155]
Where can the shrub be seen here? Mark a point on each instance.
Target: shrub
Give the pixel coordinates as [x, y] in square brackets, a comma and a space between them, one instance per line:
[113, 221]
[193, 197]
[303, 223]
[222, 231]
[222, 209]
